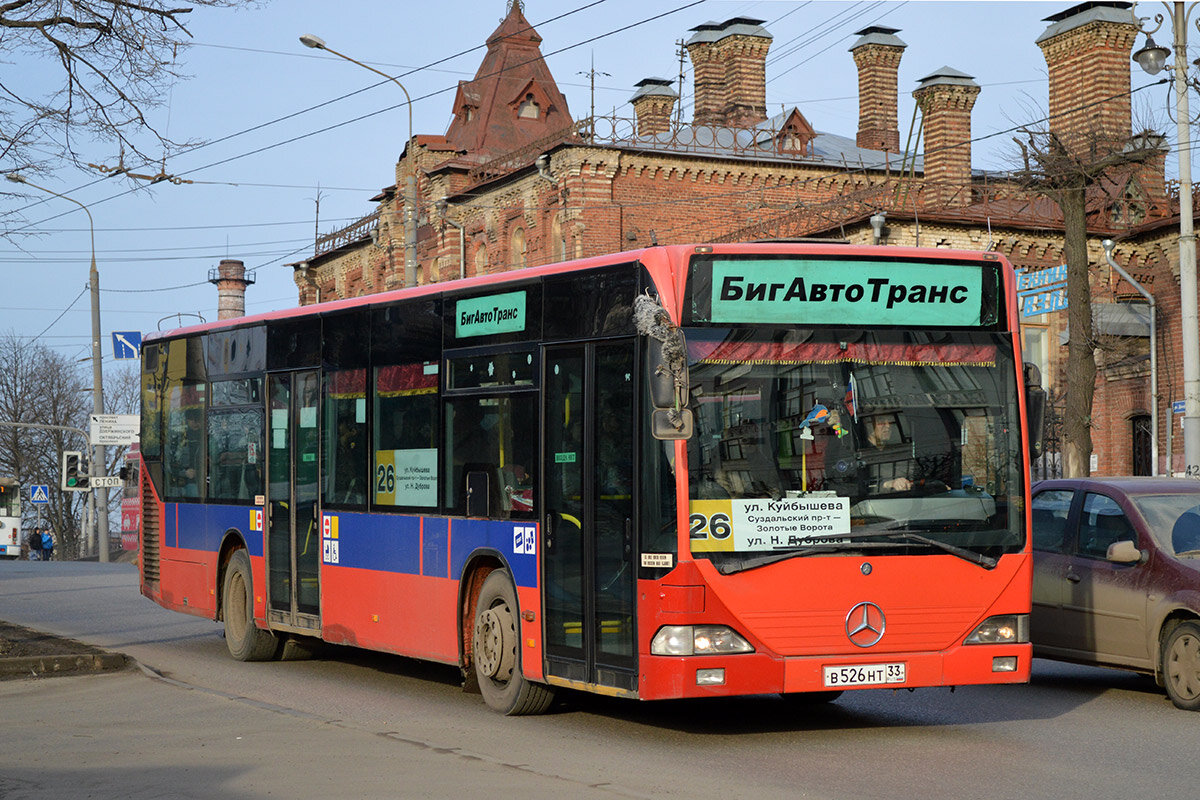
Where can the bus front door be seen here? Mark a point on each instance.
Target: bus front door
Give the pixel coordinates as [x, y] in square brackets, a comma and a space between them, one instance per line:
[587, 530]
[293, 535]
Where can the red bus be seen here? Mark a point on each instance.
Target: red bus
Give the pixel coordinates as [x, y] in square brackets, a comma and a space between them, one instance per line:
[684, 471]
[131, 503]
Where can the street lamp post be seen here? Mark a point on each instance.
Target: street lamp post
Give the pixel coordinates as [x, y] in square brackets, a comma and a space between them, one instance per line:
[1152, 58]
[410, 181]
[99, 532]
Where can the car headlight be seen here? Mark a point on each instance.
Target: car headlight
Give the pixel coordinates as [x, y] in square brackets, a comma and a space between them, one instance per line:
[698, 640]
[1001, 629]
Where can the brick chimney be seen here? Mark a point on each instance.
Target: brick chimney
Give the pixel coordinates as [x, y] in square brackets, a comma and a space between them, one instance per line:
[946, 98]
[653, 103]
[231, 280]
[730, 73]
[877, 54]
[1087, 50]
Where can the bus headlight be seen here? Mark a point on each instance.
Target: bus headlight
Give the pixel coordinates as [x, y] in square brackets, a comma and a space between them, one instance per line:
[698, 640]
[1001, 629]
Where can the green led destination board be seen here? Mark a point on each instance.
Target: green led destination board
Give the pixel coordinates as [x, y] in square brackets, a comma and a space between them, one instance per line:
[828, 292]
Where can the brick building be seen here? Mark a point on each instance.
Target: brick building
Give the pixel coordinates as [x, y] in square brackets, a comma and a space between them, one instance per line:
[515, 181]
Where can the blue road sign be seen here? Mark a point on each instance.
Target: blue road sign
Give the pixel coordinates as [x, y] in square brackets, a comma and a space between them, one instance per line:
[127, 344]
[39, 494]
[1179, 406]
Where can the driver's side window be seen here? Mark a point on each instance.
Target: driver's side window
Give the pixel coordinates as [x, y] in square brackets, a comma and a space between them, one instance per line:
[1102, 524]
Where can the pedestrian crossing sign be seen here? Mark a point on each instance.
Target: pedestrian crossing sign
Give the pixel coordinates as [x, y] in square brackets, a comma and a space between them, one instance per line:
[39, 493]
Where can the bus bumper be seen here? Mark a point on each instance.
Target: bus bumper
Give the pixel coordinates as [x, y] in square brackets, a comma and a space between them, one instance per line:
[759, 673]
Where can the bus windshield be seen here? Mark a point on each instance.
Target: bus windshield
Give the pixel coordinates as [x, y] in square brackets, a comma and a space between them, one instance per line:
[10, 499]
[841, 441]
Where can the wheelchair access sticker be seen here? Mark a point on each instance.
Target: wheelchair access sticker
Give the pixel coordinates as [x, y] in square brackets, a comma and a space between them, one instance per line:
[525, 540]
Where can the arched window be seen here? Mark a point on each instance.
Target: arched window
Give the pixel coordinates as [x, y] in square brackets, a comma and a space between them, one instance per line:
[528, 108]
[1142, 455]
[559, 241]
[480, 260]
[516, 250]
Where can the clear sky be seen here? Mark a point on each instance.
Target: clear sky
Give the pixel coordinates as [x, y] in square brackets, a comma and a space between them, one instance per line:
[283, 132]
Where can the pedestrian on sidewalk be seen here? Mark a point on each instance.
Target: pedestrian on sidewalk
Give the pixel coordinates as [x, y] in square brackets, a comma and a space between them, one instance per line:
[47, 544]
[35, 545]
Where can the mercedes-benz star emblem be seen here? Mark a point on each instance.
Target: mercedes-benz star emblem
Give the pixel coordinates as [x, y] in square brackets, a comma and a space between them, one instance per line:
[865, 624]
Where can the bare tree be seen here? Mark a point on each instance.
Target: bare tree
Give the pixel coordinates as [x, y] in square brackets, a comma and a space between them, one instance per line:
[116, 58]
[1065, 172]
[40, 386]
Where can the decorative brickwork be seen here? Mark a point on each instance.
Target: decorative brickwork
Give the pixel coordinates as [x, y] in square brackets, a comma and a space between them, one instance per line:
[878, 65]
[1089, 72]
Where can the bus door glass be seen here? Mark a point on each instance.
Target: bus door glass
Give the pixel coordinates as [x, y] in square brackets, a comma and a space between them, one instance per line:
[294, 540]
[589, 574]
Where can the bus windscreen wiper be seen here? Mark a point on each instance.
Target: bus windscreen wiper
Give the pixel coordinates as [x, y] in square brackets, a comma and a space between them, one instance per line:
[850, 542]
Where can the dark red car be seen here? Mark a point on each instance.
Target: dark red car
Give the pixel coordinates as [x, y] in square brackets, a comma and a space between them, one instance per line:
[1116, 579]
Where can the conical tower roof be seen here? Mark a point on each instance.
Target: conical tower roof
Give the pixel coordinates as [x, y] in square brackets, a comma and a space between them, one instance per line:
[513, 99]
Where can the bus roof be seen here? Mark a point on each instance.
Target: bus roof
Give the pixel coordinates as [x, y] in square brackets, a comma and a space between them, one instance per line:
[670, 254]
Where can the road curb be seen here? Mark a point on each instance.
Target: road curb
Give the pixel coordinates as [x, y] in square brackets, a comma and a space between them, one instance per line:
[46, 666]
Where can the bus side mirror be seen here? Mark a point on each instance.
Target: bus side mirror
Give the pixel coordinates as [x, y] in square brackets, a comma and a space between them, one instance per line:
[663, 427]
[1035, 409]
[658, 375]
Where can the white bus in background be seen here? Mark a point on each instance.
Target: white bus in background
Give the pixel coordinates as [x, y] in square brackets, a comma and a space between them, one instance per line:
[10, 518]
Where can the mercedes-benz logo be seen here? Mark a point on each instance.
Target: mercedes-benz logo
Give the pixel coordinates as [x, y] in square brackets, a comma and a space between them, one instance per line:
[865, 625]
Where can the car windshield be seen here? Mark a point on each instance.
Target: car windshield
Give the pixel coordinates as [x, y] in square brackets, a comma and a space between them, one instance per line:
[1174, 520]
[812, 442]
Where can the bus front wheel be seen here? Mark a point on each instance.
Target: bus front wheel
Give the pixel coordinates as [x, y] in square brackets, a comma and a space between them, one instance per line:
[245, 640]
[496, 651]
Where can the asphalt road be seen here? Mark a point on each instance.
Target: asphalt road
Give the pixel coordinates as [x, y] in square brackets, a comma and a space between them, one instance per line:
[359, 724]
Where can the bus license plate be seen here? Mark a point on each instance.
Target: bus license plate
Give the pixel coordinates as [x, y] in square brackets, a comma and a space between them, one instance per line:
[865, 675]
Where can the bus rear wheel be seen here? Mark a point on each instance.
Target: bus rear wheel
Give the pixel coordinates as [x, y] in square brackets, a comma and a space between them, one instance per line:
[496, 651]
[245, 640]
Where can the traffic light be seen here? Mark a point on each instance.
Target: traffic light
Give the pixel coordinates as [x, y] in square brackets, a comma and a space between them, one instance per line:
[74, 472]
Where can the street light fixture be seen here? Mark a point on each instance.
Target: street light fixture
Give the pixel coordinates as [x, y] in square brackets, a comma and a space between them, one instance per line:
[100, 520]
[410, 182]
[1152, 58]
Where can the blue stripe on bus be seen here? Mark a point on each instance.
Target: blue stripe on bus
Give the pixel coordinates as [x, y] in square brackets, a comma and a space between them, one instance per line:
[383, 542]
[516, 541]
[380, 542]
[436, 556]
[203, 527]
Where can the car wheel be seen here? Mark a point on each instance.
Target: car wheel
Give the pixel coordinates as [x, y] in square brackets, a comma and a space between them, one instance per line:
[1181, 665]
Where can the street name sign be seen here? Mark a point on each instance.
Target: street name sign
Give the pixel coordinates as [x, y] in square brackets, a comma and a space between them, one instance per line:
[114, 429]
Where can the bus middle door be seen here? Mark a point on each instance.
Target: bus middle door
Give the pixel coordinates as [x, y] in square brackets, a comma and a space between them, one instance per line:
[294, 536]
[588, 575]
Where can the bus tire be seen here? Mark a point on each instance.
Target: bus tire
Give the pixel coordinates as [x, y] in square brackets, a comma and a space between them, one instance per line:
[245, 640]
[496, 651]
